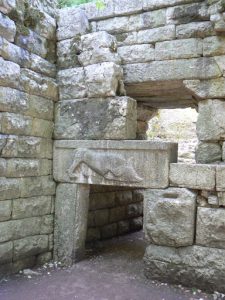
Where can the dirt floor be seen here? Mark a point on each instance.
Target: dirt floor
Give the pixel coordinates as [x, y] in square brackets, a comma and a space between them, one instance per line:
[113, 270]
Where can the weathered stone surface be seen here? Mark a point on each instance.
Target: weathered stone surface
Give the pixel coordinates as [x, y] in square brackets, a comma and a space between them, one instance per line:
[44, 258]
[136, 53]
[31, 207]
[7, 28]
[67, 53]
[101, 217]
[201, 267]
[93, 13]
[110, 162]
[48, 6]
[155, 4]
[108, 231]
[169, 218]
[6, 252]
[103, 80]
[210, 227]
[188, 48]
[72, 84]
[101, 200]
[93, 234]
[97, 118]
[220, 178]
[117, 214]
[24, 146]
[37, 186]
[71, 23]
[213, 200]
[5, 210]
[221, 198]
[196, 68]
[208, 153]
[213, 46]
[28, 167]
[98, 55]
[187, 175]
[70, 222]
[136, 224]
[9, 73]
[123, 227]
[194, 30]
[9, 188]
[7, 6]
[30, 246]
[124, 198]
[211, 123]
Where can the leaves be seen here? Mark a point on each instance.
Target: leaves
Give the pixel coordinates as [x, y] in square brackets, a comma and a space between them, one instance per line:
[68, 3]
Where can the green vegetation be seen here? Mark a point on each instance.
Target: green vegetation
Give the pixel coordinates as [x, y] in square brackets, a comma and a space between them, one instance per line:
[68, 3]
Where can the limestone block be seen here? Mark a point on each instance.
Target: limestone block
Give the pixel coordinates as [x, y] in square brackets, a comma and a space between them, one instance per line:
[6, 252]
[37, 84]
[97, 118]
[5, 210]
[101, 217]
[213, 46]
[210, 227]
[30, 246]
[194, 30]
[136, 224]
[24, 146]
[117, 214]
[187, 13]
[126, 7]
[93, 13]
[220, 178]
[220, 60]
[37, 186]
[221, 198]
[208, 153]
[213, 200]
[101, 200]
[124, 198]
[223, 151]
[187, 48]
[108, 231]
[31, 207]
[7, 28]
[206, 89]
[72, 83]
[211, 123]
[71, 23]
[136, 53]
[103, 80]
[114, 25]
[169, 218]
[201, 267]
[47, 224]
[67, 53]
[156, 4]
[9, 188]
[114, 163]
[181, 69]
[48, 6]
[44, 258]
[71, 216]
[9, 73]
[99, 55]
[6, 6]
[3, 167]
[193, 176]
[151, 19]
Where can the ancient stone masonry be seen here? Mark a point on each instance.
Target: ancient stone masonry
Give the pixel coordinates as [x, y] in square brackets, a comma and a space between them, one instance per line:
[28, 91]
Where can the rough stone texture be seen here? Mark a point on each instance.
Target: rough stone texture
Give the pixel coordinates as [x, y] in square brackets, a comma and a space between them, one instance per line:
[201, 267]
[208, 153]
[169, 218]
[7, 28]
[187, 175]
[194, 30]
[220, 178]
[110, 118]
[67, 53]
[136, 53]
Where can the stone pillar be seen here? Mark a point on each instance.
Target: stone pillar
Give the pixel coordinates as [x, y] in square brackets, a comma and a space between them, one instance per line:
[71, 214]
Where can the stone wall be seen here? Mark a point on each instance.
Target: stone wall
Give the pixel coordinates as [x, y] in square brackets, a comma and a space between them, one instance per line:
[28, 91]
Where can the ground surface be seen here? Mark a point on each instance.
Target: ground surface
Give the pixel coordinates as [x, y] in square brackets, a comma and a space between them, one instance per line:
[112, 271]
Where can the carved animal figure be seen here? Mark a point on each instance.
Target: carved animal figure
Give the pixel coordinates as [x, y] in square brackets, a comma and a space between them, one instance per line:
[108, 165]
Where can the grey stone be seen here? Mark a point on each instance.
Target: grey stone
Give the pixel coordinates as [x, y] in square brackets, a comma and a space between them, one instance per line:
[211, 123]
[194, 30]
[210, 227]
[135, 210]
[7, 28]
[98, 55]
[96, 162]
[156, 34]
[71, 23]
[126, 7]
[93, 13]
[221, 198]
[213, 46]
[97, 118]
[220, 178]
[9, 73]
[187, 48]
[43, 258]
[91, 218]
[67, 53]
[123, 227]
[123, 198]
[108, 231]
[31, 207]
[208, 153]
[9, 188]
[6, 252]
[117, 214]
[6, 6]
[102, 200]
[136, 224]
[136, 53]
[101, 217]
[169, 218]
[187, 175]
[93, 234]
[37, 186]
[5, 210]
[213, 200]
[47, 224]
[156, 4]
[201, 267]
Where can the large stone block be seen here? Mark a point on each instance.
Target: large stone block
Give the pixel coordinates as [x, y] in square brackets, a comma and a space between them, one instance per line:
[136, 53]
[30, 246]
[197, 266]
[213, 46]
[194, 30]
[67, 53]
[169, 218]
[193, 176]
[110, 118]
[220, 178]
[9, 188]
[31, 207]
[181, 69]
[208, 153]
[102, 200]
[9, 73]
[6, 252]
[71, 23]
[126, 7]
[5, 210]
[37, 186]
[6, 6]
[210, 227]
[211, 122]
[7, 28]
[188, 48]
[116, 163]
[156, 4]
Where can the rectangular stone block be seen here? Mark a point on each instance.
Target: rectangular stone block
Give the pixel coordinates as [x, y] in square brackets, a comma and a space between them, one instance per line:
[6, 252]
[201, 177]
[101, 200]
[9, 188]
[67, 53]
[220, 178]
[109, 118]
[117, 163]
[136, 53]
[169, 218]
[30, 246]
[7, 28]
[156, 4]
[31, 207]
[156, 34]
[177, 49]
[210, 227]
[37, 186]
[9, 74]
[5, 210]
[93, 13]
[24, 146]
[213, 46]
[194, 30]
